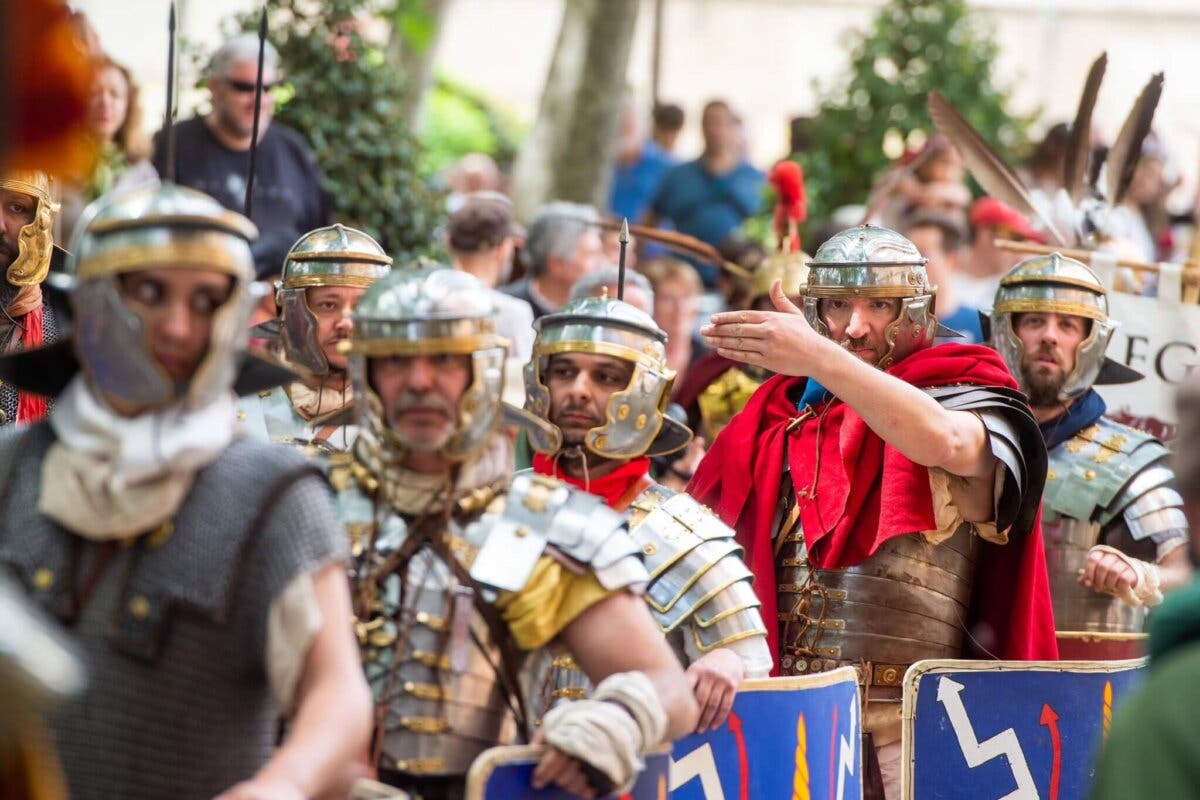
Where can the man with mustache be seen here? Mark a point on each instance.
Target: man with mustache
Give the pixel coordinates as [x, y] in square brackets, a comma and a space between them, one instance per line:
[200, 575]
[886, 490]
[599, 381]
[460, 568]
[325, 273]
[28, 317]
[1114, 524]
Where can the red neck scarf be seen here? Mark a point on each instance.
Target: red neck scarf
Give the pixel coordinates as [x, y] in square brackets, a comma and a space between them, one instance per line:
[612, 487]
[26, 307]
[862, 492]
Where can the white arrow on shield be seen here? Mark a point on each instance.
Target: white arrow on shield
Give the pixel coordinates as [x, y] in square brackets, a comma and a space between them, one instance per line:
[976, 752]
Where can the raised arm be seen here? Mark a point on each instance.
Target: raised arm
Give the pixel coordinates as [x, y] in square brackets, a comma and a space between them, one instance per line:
[901, 414]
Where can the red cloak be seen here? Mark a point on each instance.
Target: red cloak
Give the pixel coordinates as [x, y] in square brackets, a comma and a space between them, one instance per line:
[866, 493]
[618, 488]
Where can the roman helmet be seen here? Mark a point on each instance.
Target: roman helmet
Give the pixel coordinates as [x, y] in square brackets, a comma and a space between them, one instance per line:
[162, 227]
[873, 262]
[423, 312]
[1060, 285]
[332, 256]
[35, 242]
[790, 268]
[636, 424]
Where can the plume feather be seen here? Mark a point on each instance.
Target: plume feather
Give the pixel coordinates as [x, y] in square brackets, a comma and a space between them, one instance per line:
[1076, 157]
[995, 176]
[1127, 148]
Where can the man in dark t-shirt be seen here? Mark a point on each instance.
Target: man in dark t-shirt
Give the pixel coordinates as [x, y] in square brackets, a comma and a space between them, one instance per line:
[212, 154]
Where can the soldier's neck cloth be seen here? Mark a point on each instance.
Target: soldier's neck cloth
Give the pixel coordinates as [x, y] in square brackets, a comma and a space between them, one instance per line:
[611, 487]
[1088, 408]
[111, 477]
[866, 493]
[26, 308]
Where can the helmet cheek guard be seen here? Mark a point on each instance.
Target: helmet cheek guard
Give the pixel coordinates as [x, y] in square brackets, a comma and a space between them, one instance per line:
[1059, 285]
[298, 331]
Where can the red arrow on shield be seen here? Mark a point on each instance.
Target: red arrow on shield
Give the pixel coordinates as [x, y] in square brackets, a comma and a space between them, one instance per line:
[1050, 719]
[735, 727]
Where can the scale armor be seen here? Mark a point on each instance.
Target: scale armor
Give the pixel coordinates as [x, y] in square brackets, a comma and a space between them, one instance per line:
[909, 600]
[445, 700]
[700, 593]
[1108, 484]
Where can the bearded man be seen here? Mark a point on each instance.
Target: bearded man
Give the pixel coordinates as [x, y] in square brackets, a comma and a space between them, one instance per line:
[1113, 521]
[887, 495]
[26, 250]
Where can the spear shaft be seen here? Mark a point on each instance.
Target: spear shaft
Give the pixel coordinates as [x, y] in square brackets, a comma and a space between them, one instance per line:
[169, 113]
[258, 90]
[624, 239]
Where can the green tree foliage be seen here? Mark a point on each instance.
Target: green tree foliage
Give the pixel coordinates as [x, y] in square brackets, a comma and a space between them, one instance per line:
[458, 121]
[347, 99]
[911, 48]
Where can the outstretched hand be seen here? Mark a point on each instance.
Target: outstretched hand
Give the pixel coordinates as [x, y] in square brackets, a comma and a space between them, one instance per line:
[781, 341]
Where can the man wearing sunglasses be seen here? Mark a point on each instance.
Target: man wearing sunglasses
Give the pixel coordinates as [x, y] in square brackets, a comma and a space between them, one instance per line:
[212, 154]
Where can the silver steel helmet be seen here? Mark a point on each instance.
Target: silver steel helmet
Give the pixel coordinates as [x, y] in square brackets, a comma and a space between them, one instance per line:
[1060, 285]
[873, 262]
[635, 423]
[35, 241]
[331, 256]
[423, 312]
[161, 227]
[789, 268]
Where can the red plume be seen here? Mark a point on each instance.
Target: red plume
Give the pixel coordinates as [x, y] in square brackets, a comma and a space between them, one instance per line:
[790, 209]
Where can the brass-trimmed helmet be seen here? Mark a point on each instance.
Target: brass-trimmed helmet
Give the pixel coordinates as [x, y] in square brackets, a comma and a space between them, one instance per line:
[1060, 285]
[635, 424]
[873, 262]
[790, 268]
[430, 311]
[335, 255]
[161, 227]
[35, 241]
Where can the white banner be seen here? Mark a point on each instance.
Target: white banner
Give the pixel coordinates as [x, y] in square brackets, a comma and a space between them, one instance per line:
[1157, 336]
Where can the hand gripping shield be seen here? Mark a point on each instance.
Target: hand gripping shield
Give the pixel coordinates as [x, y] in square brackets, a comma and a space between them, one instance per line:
[331, 256]
[162, 227]
[1060, 285]
[35, 241]
[635, 424]
[872, 262]
[424, 312]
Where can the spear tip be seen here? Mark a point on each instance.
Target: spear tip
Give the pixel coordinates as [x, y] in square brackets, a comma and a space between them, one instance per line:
[624, 238]
[262, 23]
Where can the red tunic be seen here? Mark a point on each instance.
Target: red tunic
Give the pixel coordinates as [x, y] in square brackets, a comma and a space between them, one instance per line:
[618, 488]
[866, 492]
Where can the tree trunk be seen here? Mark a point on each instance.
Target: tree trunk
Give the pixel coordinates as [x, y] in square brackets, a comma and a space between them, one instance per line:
[570, 151]
[413, 54]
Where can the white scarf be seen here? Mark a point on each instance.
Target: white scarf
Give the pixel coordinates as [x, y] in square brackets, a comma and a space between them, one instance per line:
[113, 477]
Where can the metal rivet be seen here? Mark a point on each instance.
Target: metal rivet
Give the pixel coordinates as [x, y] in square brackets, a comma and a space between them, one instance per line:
[623, 413]
[43, 578]
[1088, 475]
[641, 421]
[139, 607]
[649, 549]
[241, 416]
[522, 532]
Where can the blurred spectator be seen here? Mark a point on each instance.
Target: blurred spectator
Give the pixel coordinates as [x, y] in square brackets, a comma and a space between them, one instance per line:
[1045, 166]
[940, 238]
[668, 122]
[931, 179]
[641, 165]
[1141, 217]
[562, 246]
[610, 242]
[473, 173]
[481, 237]
[710, 197]
[975, 284]
[115, 119]
[212, 154]
[677, 290]
[605, 280]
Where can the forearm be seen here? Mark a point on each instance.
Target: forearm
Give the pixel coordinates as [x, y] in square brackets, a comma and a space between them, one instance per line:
[677, 700]
[904, 416]
[329, 735]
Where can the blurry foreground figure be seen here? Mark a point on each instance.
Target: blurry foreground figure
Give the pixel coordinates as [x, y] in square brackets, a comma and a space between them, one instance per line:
[200, 575]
